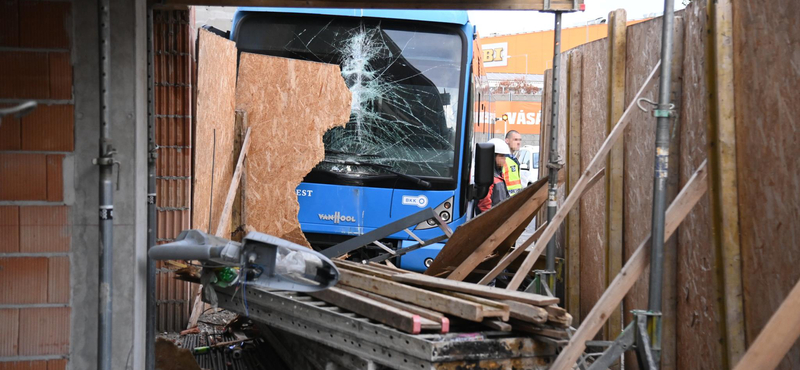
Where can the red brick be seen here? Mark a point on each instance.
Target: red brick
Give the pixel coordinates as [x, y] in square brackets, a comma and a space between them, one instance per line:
[44, 229]
[58, 280]
[49, 128]
[24, 365]
[9, 229]
[9, 131]
[9, 23]
[23, 280]
[55, 178]
[24, 75]
[60, 76]
[44, 331]
[24, 176]
[44, 24]
[56, 364]
[9, 332]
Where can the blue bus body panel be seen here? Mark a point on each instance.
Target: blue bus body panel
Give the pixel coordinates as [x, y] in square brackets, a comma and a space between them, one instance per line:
[415, 261]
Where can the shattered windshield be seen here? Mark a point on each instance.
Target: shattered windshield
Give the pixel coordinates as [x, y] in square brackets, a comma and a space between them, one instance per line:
[404, 80]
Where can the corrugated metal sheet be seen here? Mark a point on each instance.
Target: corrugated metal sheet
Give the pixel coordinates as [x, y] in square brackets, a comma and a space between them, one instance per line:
[173, 74]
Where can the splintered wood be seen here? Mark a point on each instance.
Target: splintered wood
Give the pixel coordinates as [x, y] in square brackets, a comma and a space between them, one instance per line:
[216, 91]
[289, 104]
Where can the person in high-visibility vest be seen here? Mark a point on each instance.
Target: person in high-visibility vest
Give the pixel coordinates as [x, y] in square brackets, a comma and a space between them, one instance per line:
[510, 169]
[498, 191]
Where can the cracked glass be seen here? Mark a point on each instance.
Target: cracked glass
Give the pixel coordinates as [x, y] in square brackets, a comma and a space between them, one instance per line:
[405, 83]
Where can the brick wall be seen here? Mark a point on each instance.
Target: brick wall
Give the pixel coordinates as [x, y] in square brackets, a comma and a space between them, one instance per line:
[35, 231]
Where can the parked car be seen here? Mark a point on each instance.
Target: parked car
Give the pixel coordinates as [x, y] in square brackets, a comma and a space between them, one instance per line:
[528, 157]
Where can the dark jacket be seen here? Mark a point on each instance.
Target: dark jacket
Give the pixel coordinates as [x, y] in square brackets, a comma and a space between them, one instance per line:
[497, 193]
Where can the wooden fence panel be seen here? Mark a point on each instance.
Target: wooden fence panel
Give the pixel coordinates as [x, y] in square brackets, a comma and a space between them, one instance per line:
[698, 332]
[592, 213]
[767, 73]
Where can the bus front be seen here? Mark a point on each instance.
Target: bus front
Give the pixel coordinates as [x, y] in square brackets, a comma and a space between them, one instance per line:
[403, 148]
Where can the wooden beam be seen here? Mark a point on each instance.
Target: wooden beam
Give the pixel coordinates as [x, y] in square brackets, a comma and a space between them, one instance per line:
[533, 238]
[527, 312]
[695, 188]
[450, 305]
[378, 311]
[224, 218]
[574, 80]
[238, 209]
[500, 234]
[563, 5]
[475, 289]
[502, 307]
[594, 167]
[422, 312]
[724, 191]
[617, 55]
[777, 337]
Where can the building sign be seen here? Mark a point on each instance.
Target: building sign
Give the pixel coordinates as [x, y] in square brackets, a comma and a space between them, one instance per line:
[495, 55]
[524, 117]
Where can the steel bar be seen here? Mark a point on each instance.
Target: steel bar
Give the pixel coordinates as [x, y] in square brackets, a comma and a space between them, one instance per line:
[150, 309]
[554, 160]
[660, 174]
[106, 197]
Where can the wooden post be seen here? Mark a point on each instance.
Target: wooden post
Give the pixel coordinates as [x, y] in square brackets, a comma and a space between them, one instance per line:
[724, 188]
[224, 223]
[633, 269]
[617, 55]
[574, 80]
[580, 187]
[778, 336]
[238, 210]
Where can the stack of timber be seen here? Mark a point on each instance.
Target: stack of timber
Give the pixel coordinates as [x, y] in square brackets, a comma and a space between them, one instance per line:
[414, 303]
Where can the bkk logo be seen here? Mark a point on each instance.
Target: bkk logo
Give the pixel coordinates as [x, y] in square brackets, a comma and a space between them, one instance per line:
[420, 201]
[336, 218]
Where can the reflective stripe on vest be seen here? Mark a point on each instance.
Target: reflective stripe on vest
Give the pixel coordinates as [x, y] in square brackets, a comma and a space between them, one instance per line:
[511, 176]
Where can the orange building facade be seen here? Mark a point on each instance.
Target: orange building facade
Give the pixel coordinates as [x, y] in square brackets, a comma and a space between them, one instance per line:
[527, 54]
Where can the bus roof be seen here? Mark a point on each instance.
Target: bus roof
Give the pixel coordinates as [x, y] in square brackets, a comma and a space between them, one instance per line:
[442, 16]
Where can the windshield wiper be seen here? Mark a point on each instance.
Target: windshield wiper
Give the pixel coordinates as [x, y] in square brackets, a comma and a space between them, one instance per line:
[414, 179]
[331, 151]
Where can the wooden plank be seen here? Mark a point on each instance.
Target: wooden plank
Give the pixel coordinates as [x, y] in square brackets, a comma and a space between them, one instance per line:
[540, 330]
[580, 187]
[432, 315]
[471, 235]
[617, 45]
[274, 91]
[364, 269]
[509, 258]
[237, 210]
[526, 312]
[564, 5]
[573, 293]
[378, 311]
[499, 310]
[778, 336]
[420, 297]
[631, 272]
[767, 148]
[497, 325]
[558, 316]
[479, 290]
[224, 224]
[724, 191]
[525, 212]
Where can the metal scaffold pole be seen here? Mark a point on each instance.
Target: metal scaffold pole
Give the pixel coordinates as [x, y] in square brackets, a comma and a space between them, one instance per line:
[554, 162]
[150, 319]
[663, 114]
[106, 163]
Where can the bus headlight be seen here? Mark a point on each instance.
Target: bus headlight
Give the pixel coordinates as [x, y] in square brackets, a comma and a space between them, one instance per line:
[445, 212]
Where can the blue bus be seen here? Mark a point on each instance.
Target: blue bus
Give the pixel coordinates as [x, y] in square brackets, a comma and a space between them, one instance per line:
[417, 92]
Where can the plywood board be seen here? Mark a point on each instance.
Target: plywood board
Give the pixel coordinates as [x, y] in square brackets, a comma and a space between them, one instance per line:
[697, 296]
[468, 237]
[592, 203]
[643, 52]
[290, 104]
[767, 147]
[214, 130]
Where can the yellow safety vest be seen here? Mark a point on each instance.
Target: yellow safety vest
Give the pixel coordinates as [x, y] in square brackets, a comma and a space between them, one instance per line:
[511, 176]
